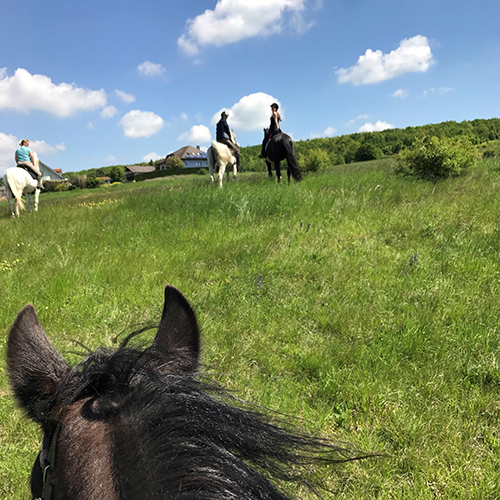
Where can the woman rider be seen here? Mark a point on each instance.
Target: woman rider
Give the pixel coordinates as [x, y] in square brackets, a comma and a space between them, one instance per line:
[274, 128]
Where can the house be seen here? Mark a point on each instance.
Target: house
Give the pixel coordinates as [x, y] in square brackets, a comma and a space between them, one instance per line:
[132, 170]
[50, 174]
[191, 157]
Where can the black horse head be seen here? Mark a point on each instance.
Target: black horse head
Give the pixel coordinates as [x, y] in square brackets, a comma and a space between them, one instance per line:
[142, 423]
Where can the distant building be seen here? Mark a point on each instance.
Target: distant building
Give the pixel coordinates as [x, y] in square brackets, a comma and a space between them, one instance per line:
[50, 174]
[191, 157]
[133, 170]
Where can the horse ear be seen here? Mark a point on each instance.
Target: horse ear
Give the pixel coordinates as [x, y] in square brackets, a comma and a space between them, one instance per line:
[178, 333]
[35, 367]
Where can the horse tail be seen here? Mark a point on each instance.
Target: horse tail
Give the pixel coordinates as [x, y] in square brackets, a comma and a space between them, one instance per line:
[211, 159]
[291, 161]
[12, 185]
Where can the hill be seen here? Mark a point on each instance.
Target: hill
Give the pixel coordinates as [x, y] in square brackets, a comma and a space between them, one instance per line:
[364, 303]
[372, 145]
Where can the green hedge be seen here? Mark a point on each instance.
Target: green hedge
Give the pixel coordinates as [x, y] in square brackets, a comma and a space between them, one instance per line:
[169, 172]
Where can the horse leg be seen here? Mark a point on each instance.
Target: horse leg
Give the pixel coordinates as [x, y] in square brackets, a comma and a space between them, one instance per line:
[235, 170]
[269, 168]
[29, 202]
[277, 167]
[211, 163]
[37, 194]
[9, 196]
[222, 169]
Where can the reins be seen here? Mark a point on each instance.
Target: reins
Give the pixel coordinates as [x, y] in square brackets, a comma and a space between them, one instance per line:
[47, 464]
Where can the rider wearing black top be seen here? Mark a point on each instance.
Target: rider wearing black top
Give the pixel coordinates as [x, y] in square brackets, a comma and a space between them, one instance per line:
[274, 128]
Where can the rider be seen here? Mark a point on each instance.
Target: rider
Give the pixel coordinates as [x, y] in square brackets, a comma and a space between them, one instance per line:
[26, 159]
[274, 128]
[223, 135]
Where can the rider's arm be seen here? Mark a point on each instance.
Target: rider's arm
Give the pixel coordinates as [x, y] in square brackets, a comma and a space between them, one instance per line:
[275, 118]
[32, 156]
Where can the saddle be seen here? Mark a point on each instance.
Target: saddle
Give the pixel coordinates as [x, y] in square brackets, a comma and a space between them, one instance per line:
[29, 170]
[277, 137]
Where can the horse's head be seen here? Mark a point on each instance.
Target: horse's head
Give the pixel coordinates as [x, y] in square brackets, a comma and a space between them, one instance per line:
[233, 138]
[140, 424]
[75, 407]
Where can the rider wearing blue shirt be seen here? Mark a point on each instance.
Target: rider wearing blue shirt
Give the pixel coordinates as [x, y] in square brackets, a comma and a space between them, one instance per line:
[25, 159]
[223, 135]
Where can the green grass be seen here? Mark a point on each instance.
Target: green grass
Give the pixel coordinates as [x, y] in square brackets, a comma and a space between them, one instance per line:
[364, 303]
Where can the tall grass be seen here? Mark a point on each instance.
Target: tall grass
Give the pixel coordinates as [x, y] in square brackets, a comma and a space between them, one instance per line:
[363, 303]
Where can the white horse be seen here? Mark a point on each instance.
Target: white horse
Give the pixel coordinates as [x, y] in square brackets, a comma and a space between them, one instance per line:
[220, 155]
[18, 182]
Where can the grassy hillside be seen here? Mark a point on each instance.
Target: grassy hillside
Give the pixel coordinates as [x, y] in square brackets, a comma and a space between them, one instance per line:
[364, 303]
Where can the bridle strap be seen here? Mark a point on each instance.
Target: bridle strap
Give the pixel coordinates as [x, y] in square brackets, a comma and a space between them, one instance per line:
[47, 463]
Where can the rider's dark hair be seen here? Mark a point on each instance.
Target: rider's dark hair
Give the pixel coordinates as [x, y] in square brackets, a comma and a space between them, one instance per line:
[275, 106]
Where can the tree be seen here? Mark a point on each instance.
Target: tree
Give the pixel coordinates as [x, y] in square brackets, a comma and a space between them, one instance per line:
[367, 152]
[174, 162]
[117, 173]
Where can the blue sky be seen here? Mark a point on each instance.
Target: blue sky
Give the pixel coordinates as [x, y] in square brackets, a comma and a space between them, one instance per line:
[101, 82]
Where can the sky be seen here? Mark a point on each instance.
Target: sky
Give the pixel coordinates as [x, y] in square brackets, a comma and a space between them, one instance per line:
[101, 82]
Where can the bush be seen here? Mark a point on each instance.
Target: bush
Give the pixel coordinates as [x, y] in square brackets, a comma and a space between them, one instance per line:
[317, 159]
[55, 186]
[432, 158]
[93, 181]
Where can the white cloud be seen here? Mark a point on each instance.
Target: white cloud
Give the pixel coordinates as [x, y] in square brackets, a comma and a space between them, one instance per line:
[42, 148]
[138, 123]
[251, 112]
[184, 117]
[329, 132]
[108, 112]
[412, 56]
[25, 92]
[150, 69]
[197, 134]
[123, 96]
[90, 126]
[9, 143]
[440, 91]
[152, 156]
[359, 117]
[400, 94]
[375, 127]
[235, 20]
[111, 160]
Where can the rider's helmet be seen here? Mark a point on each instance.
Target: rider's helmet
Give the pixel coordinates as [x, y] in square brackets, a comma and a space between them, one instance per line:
[224, 114]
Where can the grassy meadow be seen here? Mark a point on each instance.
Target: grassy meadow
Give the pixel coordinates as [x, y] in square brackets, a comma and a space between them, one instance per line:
[366, 304]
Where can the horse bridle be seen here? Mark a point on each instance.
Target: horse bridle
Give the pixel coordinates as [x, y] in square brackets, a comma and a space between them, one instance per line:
[46, 461]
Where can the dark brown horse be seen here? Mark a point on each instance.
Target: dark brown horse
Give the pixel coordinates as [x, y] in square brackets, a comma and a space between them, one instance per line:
[141, 423]
[281, 148]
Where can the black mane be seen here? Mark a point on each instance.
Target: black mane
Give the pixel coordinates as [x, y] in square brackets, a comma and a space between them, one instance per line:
[142, 423]
[196, 439]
